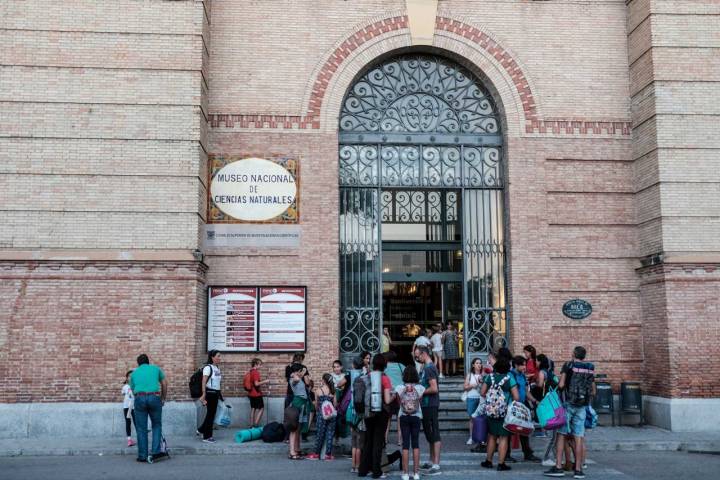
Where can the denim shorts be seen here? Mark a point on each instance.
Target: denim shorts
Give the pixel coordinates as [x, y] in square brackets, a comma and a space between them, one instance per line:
[575, 424]
[472, 404]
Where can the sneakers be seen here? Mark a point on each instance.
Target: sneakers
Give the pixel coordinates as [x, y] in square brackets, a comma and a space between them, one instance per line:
[405, 476]
[442, 376]
[131, 442]
[312, 456]
[554, 472]
[469, 441]
[486, 464]
[532, 458]
[198, 433]
[329, 458]
[579, 474]
[503, 467]
[209, 440]
[353, 470]
[416, 476]
[159, 456]
[510, 459]
[434, 470]
[548, 463]
[426, 466]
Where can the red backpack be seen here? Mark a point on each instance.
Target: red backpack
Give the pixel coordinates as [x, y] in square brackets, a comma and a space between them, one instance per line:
[248, 384]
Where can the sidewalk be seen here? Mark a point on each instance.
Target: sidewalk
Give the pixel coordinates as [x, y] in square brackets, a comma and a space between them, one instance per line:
[599, 439]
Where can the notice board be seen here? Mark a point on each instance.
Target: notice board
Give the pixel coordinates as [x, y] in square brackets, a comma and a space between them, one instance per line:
[232, 319]
[257, 319]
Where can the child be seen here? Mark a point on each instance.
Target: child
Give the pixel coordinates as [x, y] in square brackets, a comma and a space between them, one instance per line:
[531, 363]
[257, 404]
[338, 377]
[518, 373]
[325, 419]
[497, 435]
[409, 395]
[128, 401]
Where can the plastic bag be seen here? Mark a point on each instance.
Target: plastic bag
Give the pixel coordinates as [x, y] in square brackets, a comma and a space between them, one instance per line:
[222, 416]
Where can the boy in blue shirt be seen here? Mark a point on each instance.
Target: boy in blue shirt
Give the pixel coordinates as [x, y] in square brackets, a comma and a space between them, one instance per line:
[518, 373]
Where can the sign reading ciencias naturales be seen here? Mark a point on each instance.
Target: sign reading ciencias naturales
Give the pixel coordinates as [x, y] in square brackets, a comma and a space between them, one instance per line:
[253, 190]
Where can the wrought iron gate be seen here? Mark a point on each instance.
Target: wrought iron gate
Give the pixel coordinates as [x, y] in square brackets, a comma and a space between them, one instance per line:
[411, 128]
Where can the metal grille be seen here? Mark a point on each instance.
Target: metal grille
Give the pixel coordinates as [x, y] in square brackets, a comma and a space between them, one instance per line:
[419, 133]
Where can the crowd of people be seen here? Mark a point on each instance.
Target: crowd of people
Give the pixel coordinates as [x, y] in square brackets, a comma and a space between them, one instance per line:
[362, 401]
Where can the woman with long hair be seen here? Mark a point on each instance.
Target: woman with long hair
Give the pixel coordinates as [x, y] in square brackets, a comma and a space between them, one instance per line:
[473, 383]
[210, 394]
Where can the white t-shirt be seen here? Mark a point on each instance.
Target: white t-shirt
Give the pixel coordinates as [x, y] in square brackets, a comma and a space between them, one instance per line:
[437, 342]
[419, 389]
[475, 381]
[214, 381]
[128, 398]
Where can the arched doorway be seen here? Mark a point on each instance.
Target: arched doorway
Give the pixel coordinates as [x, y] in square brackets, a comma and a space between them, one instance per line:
[422, 223]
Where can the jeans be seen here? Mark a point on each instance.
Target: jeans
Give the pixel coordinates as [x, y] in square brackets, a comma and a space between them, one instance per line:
[211, 397]
[148, 405]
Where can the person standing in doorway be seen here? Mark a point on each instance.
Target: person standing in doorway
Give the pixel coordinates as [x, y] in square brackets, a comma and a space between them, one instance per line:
[437, 348]
[386, 341]
[450, 349]
[149, 387]
[211, 395]
[430, 407]
[255, 395]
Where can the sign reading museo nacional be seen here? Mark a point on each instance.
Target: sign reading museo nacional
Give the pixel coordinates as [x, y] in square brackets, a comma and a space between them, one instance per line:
[253, 202]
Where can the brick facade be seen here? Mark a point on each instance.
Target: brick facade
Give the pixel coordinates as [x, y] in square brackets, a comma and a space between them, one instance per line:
[111, 109]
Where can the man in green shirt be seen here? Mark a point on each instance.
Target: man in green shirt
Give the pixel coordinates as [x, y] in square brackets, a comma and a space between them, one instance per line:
[149, 386]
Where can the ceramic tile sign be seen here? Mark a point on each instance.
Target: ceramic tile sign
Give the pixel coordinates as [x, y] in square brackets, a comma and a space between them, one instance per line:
[253, 190]
[232, 319]
[283, 319]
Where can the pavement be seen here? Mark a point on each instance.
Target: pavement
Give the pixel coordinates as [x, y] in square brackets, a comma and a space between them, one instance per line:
[601, 439]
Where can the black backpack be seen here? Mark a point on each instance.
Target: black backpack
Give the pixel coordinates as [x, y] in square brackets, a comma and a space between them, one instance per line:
[195, 383]
[579, 391]
[273, 432]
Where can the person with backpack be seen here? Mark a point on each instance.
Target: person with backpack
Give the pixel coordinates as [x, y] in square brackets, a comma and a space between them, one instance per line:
[544, 381]
[375, 416]
[357, 435]
[252, 384]
[211, 395]
[518, 372]
[498, 389]
[430, 407]
[577, 382]
[409, 394]
[149, 386]
[326, 406]
[297, 412]
[471, 389]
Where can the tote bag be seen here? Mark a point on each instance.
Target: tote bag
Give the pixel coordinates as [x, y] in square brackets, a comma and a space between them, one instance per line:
[550, 412]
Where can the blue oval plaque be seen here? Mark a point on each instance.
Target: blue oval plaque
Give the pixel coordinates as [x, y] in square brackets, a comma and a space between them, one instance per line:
[577, 309]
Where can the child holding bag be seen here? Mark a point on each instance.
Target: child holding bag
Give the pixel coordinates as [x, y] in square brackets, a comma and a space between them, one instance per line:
[326, 406]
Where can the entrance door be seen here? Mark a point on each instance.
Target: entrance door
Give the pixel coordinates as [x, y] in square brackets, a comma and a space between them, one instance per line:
[409, 308]
[421, 203]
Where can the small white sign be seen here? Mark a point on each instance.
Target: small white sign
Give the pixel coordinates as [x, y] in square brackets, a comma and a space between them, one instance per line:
[253, 189]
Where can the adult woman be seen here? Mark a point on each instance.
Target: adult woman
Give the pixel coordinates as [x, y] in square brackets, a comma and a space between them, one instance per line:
[473, 382]
[210, 394]
[450, 349]
[296, 414]
[375, 426]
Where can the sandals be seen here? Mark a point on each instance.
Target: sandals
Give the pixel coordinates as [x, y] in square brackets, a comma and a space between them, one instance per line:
[296, 456]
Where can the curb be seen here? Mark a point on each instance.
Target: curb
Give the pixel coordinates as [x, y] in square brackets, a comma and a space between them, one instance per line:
[280, 449]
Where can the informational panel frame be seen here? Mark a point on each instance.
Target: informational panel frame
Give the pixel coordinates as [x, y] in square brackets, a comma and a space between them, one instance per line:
[245, 319]
[282, 325]
[232, 319]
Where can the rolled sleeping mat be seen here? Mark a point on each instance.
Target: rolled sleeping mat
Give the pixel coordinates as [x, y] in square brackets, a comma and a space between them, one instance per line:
[248, 435]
